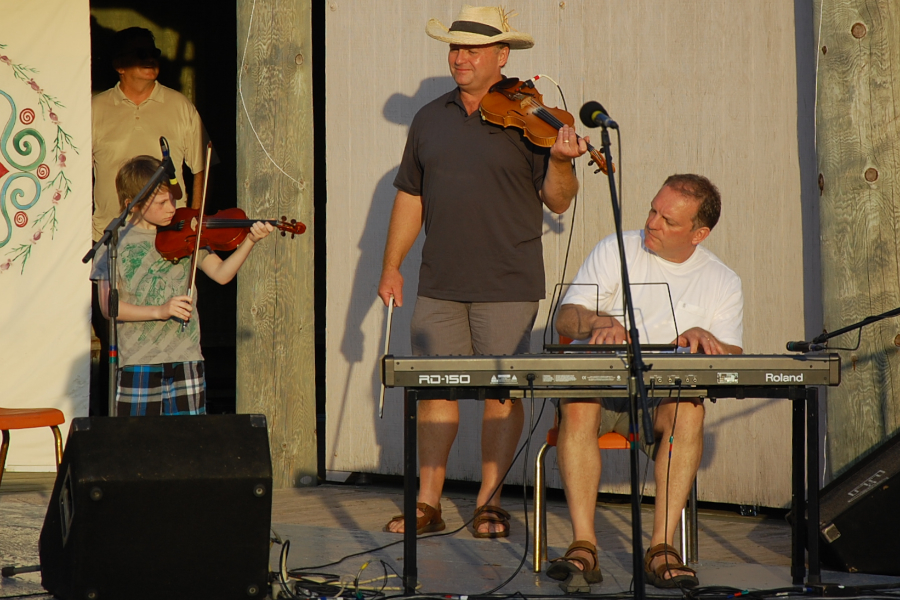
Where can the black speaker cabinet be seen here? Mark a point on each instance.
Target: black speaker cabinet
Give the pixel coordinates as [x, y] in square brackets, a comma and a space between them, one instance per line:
[860, 515]
[160, 507]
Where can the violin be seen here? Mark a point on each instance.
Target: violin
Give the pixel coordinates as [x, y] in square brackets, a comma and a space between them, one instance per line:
[514, 103]
[224, 230]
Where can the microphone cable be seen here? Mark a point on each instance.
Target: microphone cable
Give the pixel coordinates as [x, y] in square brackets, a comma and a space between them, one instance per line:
[294, 573]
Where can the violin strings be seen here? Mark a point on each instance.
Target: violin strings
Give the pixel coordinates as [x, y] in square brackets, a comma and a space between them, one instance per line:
[219, 223]
[228, 223]
[547, 116]
[541, 111]
[544, 114]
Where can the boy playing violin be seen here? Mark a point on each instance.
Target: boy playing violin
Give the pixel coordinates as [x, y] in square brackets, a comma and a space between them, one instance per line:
[161, 366]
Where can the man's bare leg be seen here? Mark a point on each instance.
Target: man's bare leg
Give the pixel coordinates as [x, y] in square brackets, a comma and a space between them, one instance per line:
[579, 466]
[437, 424]
[501, 428]
[687, 451]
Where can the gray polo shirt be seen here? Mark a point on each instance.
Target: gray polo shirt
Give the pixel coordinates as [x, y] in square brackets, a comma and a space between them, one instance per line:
[483, 216]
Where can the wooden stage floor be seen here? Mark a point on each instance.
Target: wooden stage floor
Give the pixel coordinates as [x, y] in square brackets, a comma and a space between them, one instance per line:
[330, 521]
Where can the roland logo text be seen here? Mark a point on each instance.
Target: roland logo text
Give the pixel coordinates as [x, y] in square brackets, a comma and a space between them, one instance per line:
[783, 378]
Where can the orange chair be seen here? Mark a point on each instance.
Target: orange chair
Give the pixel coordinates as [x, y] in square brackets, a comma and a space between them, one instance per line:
[607, 441]
[29, 418]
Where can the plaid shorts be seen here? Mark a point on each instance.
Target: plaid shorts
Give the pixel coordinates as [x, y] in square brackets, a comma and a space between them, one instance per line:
[166, 389]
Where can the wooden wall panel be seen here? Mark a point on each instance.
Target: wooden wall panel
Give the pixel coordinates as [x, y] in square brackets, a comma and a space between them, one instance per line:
[707, 86]
[275, 346]
[858, 140]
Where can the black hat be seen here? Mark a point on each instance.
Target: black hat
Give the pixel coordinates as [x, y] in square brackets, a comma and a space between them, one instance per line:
[134, 46]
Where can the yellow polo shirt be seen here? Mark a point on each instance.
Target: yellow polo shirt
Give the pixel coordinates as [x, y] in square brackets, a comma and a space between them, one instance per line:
[122, 130]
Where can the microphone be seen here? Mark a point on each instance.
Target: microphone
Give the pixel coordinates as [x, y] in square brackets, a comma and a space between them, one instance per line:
[170, 169]
[805, 347]
[594, 115]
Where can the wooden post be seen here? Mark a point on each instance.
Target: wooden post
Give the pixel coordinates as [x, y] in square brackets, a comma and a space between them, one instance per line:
[858, 147]
[275, 333]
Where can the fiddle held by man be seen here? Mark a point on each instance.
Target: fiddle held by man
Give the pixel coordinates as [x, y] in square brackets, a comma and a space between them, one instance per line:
[465, 304]
[514, 103]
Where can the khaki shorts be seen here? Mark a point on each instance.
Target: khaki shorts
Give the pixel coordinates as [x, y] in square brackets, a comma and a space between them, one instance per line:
[447, 328]
[614, 419]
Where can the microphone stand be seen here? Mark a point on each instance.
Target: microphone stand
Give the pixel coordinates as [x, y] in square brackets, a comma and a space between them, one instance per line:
[110, 239]
[637, 389]
[858, 325]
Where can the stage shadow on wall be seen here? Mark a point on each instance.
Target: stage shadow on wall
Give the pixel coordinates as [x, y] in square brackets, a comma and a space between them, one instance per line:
[399, 109]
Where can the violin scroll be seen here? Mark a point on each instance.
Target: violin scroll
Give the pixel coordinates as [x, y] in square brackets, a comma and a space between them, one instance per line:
[294, 227]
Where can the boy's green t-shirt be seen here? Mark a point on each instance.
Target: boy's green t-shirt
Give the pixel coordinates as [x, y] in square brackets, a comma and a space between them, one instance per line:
[146, 279]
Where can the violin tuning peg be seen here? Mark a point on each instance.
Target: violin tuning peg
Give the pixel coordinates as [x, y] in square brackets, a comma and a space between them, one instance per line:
[598, 170]
[591, 163]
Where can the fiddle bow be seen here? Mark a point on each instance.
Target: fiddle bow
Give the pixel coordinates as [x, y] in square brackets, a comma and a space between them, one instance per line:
[193, 273]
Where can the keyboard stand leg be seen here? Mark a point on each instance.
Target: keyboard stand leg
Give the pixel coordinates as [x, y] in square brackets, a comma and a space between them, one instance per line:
[410, 569]
[798, 492]
[812, 483]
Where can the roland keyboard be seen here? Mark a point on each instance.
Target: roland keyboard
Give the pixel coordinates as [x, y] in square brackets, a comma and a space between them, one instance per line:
[793, 377]
[602, 374]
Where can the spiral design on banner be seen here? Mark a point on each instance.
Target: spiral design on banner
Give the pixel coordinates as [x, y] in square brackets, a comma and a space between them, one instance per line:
[27, 143]
[22, 191]
[26, 116]
[21, 219]
[43, 171]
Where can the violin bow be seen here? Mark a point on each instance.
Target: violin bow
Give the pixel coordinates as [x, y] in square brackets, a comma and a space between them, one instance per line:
[193, 273]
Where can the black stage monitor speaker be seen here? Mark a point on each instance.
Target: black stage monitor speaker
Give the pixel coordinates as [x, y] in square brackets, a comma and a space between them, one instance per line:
[859, 516]
[160, 507]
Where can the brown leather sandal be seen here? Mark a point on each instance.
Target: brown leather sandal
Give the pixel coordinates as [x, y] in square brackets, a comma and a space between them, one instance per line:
[657, 577]
[564, 567]
[429, 522]
[489, 513]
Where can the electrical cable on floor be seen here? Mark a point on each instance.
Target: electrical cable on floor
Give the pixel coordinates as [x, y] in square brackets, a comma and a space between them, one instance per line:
[531, 427]
[699, 593]
[299, 572]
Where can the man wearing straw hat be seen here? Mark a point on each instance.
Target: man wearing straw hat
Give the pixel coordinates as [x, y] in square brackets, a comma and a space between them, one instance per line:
[479, 190]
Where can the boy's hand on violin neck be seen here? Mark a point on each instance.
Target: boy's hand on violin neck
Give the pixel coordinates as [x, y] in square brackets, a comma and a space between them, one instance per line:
[568, 145]
[179, 307]
[259, 230]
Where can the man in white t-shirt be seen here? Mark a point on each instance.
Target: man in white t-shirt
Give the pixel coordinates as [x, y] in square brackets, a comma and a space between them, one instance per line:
[682, 294]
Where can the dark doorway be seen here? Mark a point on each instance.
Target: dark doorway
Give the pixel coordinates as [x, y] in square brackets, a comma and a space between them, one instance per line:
[199, 59]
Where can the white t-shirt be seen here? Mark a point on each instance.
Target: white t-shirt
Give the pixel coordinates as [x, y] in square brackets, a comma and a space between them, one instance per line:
[704, 292]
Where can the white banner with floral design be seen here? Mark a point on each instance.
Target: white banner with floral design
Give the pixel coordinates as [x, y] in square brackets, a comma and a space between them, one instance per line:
[45, 217]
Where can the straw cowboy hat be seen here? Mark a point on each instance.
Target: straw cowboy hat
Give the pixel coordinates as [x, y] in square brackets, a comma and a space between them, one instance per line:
[480, 26]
